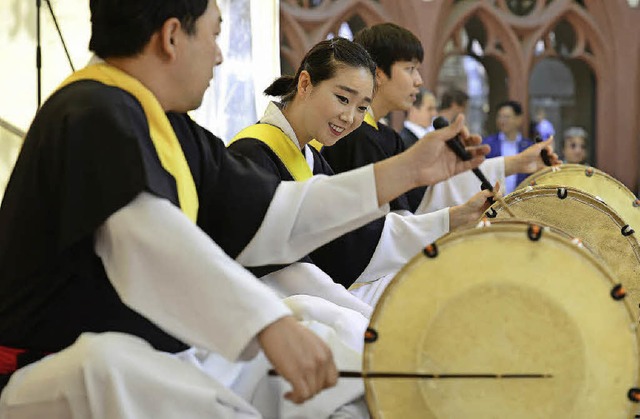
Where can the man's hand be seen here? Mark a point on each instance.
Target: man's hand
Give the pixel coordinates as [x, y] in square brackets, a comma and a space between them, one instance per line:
[300, 356]
[530, 160]
[427, 162]
[434, 161]
[471, 210]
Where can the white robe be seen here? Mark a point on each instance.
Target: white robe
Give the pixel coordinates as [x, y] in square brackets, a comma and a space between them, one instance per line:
[454, 191]
[216, 305]
[403, 236]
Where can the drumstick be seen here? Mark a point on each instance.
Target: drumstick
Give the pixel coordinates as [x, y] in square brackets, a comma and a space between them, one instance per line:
[457, 146]
[502, 202]
[544, 154]
[358, 374]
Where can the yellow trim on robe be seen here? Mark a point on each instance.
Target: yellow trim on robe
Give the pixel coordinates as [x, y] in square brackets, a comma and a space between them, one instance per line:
[288, 153]
[162, 134]
[316, 144]
[368, 118]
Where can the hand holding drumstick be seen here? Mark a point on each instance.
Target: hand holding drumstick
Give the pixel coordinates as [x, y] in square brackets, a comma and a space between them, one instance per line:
[458, 147]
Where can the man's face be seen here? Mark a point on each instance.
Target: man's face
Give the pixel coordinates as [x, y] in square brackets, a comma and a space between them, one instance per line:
[399, 91]
[424, 114]
[507, 120]
[575, 150]
[198, 56]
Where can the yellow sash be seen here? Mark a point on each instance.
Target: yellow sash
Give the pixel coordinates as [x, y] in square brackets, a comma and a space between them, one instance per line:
[368, 118]
[164, 138]
[316, 144]
[279, 143]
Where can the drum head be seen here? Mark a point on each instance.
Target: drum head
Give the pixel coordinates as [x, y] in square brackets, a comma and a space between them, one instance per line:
[465, 311]
[583, 216]
[594, 182]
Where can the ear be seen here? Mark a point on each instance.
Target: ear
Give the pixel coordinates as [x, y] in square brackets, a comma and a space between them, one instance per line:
[304, 83]
[381, 77]
[170, 36]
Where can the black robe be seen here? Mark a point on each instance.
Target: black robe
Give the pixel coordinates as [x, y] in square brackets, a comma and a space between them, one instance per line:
[344, 258]
[408, 137]
[366, 145]
[88, 154]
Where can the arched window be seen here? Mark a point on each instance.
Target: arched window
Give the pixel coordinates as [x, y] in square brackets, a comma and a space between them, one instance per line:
[562, 85]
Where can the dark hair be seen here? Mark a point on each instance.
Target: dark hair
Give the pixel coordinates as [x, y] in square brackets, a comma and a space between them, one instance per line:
[388, 43]
[121, 28]
[453, 97]
[422, 93]
[321, 63]
[516, 106]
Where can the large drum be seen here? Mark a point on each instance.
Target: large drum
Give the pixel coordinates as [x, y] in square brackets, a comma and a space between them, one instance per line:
[581, 215]
[538, 337]
[594, 182]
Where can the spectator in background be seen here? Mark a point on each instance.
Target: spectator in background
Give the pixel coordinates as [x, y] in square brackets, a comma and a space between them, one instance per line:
[419, 118]
[452, 103]
[542, 126]
[574, 149]
[508, 141]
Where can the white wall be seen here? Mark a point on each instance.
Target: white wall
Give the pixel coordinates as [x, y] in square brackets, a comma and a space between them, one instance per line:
[18, 82]
[227, 108]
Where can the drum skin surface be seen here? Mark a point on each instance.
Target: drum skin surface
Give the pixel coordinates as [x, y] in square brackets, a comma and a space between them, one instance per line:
[581, 215]
[594, 182]
[494, 301]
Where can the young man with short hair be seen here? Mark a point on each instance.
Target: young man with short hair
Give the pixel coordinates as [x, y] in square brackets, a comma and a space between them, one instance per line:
[398, 54]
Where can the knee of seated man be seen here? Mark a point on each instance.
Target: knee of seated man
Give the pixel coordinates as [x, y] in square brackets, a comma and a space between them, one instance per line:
[104, 353]
[92, 355]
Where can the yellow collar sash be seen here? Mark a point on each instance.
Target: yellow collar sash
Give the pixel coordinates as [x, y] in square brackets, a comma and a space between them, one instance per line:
[162, 134]
[288, 153]
[368, 118]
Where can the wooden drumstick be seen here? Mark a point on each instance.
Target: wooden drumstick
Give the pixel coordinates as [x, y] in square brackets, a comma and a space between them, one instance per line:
[428, 376]
[458, 147]
[500, 199]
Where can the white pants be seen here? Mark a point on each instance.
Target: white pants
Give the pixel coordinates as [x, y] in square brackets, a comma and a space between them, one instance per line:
[115, 375]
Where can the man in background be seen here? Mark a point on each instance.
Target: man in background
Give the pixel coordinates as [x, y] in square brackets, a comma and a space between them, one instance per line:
[508, 141]
[419, 117]
[452, 103]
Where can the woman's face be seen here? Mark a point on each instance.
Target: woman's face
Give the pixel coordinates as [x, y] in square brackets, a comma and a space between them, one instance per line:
[335, 107]
[575, 150]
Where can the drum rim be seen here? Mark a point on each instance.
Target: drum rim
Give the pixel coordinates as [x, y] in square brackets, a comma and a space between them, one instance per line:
[573, 167]
[549, 189]
[454, 235]
[514, 225]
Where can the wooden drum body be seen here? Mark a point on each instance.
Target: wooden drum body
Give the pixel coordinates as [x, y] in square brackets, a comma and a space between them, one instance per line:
[581, 215]
[460, 309]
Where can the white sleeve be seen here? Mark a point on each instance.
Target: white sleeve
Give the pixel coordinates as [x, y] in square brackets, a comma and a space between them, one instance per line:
[305, 215]
[460, 188]
[403, 236]
[309, 279]
[171, 272]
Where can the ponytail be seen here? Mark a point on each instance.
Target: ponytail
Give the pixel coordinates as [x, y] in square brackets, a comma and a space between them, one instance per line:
[282, 87]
